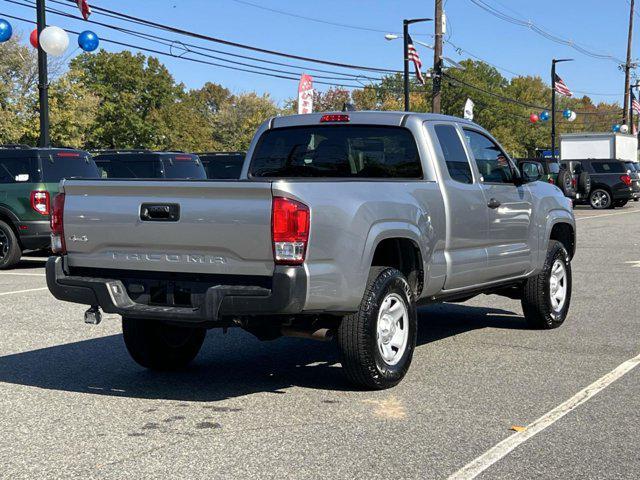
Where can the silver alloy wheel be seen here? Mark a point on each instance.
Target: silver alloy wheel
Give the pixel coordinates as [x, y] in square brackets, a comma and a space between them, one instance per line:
[600, 199]
[558, 285]
[392, 328]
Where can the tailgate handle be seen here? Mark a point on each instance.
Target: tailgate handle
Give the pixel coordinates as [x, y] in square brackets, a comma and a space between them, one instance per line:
[160, 212]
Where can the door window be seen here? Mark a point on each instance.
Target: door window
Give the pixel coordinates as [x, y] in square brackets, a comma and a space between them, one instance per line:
[16, 170]
[493, 163]
[454, 155]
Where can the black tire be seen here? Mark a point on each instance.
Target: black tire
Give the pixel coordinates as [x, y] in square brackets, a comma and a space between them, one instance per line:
[619, 203]
[584, 183]
[361, 357]
[10, 251]
[537, 305]
[159, 346]
[564, 183]
[600, 199]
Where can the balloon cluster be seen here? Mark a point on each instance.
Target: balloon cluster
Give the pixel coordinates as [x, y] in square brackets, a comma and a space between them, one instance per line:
[534, 117]
[55, 40]
[620, 128]
[569, 115]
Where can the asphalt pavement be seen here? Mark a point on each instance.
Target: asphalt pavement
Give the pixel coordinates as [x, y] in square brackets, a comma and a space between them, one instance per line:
[73, 404]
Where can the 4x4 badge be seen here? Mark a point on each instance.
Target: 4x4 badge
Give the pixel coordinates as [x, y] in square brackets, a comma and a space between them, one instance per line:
[82, 238]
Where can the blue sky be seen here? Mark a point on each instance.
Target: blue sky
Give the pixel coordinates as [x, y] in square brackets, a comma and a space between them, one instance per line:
[602, 26]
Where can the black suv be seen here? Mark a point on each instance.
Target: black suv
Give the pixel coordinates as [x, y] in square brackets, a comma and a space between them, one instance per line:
[611, 184]
[148, 164]
[29, 179]
[222, 165]
[557, 173]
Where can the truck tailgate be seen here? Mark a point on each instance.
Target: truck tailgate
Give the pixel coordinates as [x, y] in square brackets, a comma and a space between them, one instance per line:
[221, 227]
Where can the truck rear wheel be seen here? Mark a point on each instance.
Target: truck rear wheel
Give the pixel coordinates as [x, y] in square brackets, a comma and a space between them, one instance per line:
[546, 297]
[159, 346]
[10, 251]
[377, 342]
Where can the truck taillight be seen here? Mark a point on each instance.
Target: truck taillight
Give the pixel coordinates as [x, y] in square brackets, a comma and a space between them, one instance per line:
[40, 202]
[626, 179]
[289, 231]
[57, 229]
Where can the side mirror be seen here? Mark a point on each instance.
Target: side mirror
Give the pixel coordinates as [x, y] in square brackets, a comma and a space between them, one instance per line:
[531, 171]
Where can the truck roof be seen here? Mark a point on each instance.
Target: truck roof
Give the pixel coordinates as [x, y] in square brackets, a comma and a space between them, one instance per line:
[363, 117]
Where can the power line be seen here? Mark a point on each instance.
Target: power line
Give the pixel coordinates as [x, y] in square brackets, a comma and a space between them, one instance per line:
[542, 32]
[180, 45]
[208, 38]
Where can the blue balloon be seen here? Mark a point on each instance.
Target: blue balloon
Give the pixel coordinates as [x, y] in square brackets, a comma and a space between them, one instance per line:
[5, 30]
[88, 41]
[544, 116]
[616, 128]
[566, 113]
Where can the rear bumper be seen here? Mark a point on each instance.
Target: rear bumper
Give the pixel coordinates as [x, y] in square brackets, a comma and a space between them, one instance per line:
[624, 193]
[35, 235]
[286, 296]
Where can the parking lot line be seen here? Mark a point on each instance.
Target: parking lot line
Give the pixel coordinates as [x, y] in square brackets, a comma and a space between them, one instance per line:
[23, 291]
[502, 449]
[607, 215]
[23, 274]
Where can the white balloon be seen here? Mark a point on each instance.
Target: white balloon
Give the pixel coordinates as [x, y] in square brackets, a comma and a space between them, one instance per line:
[624, 129]
[54, 41]
[572, 117]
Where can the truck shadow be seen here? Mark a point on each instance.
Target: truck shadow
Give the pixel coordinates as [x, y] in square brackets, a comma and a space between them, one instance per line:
[228, 366]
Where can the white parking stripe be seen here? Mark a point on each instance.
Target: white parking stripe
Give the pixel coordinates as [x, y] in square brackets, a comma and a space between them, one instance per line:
[502, 449]
[23, 291]
[607, 215]
[23, 274]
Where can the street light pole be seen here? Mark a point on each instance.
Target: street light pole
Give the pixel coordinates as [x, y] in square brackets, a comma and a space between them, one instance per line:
[437, 60]
[627, 67]
[405, 37]
[553, 103]
[43, 80]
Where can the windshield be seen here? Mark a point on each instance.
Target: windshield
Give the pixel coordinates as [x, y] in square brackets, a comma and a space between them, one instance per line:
[346, 151]
[59, 165]
[183, 167]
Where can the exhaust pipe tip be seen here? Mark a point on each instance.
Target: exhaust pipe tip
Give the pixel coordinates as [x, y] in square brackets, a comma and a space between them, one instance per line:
[93, 316]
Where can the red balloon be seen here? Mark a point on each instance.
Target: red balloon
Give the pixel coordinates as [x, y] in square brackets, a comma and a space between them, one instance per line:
[533, 118]
[33, 38]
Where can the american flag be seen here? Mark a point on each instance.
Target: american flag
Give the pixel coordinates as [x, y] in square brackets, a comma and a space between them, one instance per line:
[85, 9]
[415, 58]
[561, 87]
[635, 104]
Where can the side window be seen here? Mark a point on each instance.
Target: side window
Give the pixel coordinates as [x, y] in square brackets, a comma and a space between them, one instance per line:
[14, 170]
[493, 164]
[454, 155]
[531, 170]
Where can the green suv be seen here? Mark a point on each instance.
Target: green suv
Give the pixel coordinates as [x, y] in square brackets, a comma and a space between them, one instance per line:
[29, 179]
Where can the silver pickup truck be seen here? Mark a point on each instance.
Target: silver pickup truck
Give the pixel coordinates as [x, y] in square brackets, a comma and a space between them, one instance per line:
[340, 226]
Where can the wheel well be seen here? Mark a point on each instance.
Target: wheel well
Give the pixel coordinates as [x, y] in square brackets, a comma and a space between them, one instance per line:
[403, 254]
[563, 233]
[9, 221]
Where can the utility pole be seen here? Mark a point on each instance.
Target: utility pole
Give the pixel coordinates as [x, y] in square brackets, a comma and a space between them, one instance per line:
[437, 59]
[553, 103]
[627, 69]
[43, 80]
[405, 38]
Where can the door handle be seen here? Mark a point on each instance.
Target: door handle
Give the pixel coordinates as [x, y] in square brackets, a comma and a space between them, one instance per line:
[493, 203]
[150, 212]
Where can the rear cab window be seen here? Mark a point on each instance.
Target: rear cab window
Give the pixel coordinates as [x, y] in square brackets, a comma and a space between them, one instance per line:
[57, 165]
[223, 167]
[337, 151]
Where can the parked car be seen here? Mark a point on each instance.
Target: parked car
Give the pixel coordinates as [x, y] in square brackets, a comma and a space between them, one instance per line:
[29, 180]
[633, 169]
[556, 174]
[222, 165]
[348, 223]
[127, 164]
[611, 184]
[580, 178]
